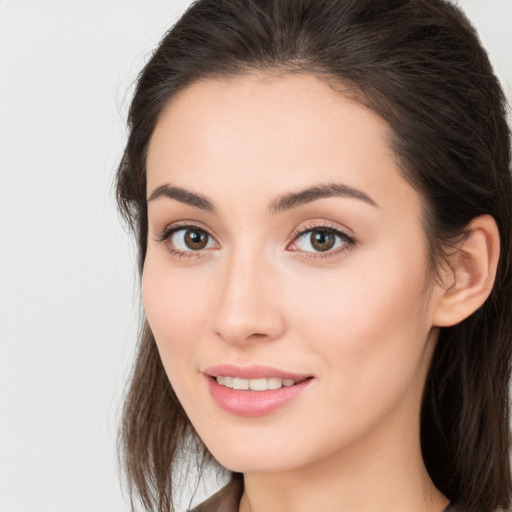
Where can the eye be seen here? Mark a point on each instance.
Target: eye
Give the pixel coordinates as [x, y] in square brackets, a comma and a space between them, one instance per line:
[193, 239]
[321, 240]
[186, 239]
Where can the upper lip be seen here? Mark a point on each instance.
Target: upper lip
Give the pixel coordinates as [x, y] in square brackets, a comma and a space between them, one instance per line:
[255, 371]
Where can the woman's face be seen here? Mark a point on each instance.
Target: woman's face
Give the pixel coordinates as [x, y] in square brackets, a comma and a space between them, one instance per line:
[286, 253]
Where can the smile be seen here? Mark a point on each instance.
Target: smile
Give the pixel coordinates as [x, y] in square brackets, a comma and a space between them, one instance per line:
[261, 384]
[255, 390]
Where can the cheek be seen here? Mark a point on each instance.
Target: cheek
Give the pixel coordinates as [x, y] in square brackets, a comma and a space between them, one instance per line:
[176, 309]
[369, 324]
[358, 302]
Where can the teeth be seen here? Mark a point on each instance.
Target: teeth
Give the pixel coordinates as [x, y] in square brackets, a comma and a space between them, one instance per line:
[274, 383]
[258, 384]
[240, 383]
[254, 384]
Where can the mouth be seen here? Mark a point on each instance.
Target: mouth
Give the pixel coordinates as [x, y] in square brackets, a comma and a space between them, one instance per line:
[255, 390]
[261, 384]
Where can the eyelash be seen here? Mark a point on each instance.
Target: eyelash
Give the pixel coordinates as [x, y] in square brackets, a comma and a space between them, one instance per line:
[348, 241]
[170, 230]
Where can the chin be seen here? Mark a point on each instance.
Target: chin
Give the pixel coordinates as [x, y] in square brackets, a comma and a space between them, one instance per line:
[251, 455]
[259, 455]
[255, 463]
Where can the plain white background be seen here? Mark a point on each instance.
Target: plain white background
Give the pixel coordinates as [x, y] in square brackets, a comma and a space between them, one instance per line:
[68, 288]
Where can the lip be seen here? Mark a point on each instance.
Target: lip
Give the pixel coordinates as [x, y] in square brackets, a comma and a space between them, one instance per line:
[252, 372]
[253, 403]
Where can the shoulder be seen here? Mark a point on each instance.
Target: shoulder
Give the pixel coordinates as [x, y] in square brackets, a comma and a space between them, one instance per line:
[226, 500]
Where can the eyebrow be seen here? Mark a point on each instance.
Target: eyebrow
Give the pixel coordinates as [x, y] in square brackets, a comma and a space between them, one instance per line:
[183, 196]
[321, 191]
[282, 203]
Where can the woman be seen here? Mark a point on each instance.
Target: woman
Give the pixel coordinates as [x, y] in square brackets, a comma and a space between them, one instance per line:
[321, 194]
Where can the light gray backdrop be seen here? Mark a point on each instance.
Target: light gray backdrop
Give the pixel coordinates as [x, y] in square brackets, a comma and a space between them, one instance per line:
[68, 303]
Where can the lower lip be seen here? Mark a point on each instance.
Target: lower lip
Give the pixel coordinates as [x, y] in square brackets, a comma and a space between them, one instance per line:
[254, 403]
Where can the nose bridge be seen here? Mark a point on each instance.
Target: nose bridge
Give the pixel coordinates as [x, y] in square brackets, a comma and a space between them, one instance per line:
[246, 308]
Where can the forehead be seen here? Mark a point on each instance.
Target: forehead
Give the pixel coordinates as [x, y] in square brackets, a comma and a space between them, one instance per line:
[269, 131]
[261, 106]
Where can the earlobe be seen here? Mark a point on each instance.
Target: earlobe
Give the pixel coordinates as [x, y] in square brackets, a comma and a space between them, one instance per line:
[470, 277]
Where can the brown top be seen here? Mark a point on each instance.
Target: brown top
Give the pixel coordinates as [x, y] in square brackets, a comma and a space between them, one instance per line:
[226, 500]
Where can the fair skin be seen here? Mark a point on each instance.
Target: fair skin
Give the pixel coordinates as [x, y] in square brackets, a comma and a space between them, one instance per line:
[357, 314]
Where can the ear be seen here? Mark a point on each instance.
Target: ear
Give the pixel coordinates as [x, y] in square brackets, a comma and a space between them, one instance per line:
[469, 278]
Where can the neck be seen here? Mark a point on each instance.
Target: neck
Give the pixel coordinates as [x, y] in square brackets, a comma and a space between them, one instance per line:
[382, 471]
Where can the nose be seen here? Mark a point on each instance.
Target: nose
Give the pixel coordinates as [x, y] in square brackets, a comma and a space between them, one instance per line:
[248, 305]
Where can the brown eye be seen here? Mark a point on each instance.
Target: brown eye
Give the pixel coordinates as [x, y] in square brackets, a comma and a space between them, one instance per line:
[196, 239]
[187, 239]
[322, 240]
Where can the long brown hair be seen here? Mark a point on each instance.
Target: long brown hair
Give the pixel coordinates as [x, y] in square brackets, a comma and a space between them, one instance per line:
[420, 66]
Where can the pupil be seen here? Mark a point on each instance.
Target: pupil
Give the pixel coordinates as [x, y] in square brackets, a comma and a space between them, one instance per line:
[196, 239]
[322, 240]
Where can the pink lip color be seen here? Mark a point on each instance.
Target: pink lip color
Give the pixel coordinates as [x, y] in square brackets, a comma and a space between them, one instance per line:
[252, 372]
[253, 403]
